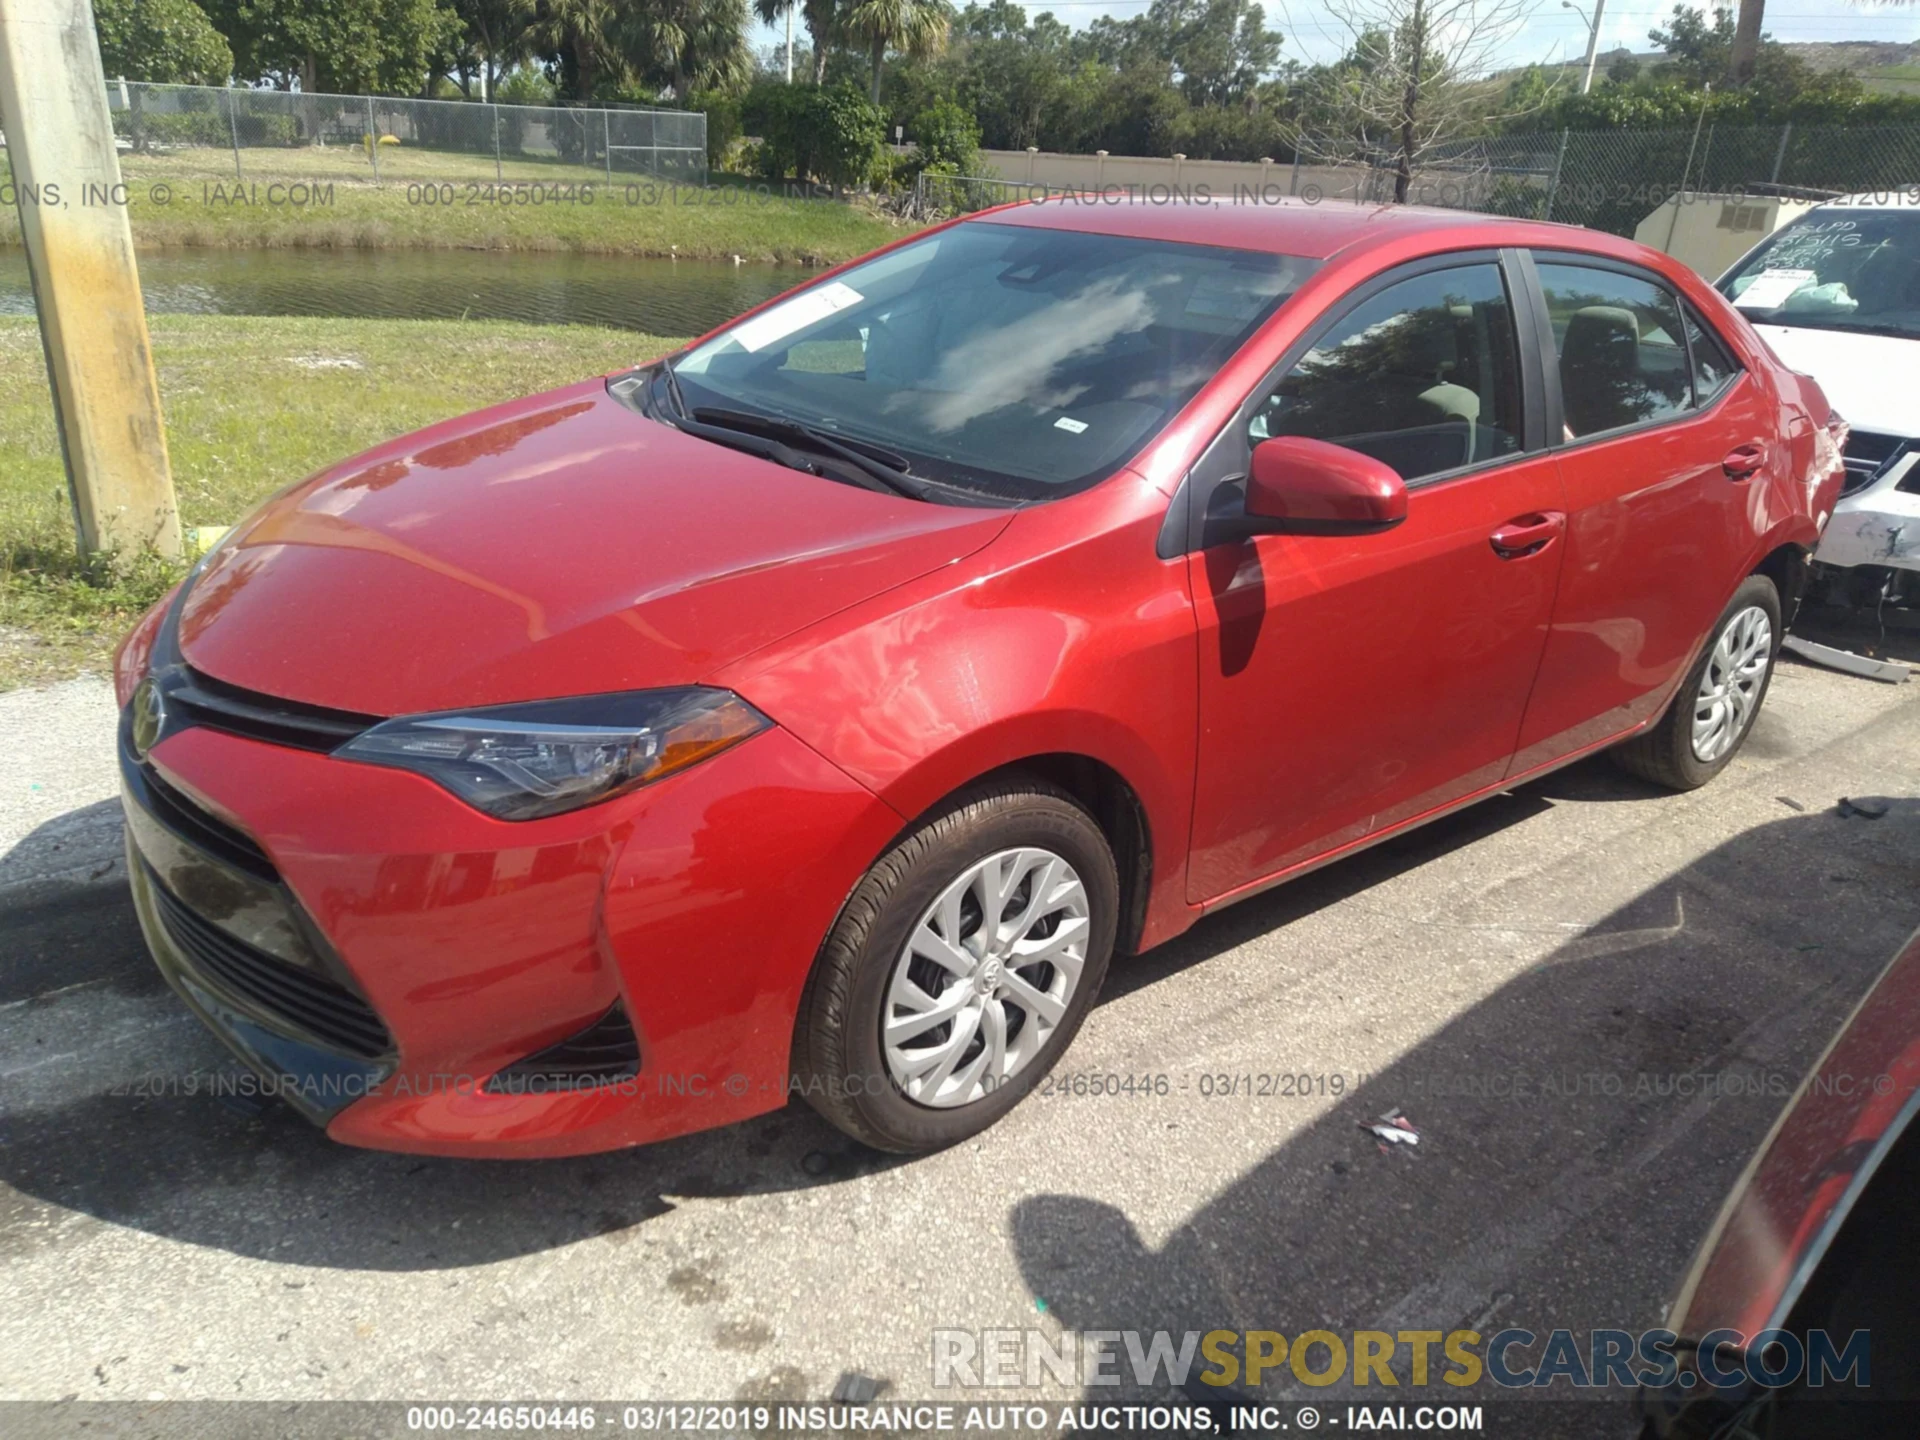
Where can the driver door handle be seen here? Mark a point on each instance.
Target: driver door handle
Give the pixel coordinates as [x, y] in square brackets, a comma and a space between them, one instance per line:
[1742, 461]
[1527, 534]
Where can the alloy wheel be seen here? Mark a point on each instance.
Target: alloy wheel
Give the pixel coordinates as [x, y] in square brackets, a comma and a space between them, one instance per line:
[986, 977]
[1730, 686]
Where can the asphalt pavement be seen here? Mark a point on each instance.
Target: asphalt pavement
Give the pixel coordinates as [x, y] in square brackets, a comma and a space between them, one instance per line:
[1599, 945]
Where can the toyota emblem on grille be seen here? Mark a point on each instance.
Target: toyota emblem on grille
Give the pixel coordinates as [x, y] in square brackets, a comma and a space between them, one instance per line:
[149, 717]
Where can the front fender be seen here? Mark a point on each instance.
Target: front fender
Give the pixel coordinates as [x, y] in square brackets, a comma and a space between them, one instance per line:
[1057, 641]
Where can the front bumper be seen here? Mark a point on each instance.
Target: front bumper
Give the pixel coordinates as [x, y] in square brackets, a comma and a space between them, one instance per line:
[435, 947]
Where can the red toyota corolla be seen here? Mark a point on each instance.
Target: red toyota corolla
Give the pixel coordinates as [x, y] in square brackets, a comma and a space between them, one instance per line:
[819, 712]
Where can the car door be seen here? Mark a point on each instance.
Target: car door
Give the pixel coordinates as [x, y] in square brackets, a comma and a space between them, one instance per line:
[1665, 445]
[1348, 683]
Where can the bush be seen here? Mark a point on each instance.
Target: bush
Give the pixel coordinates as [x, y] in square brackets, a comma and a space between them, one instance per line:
[830, 133]
[723, 123]
[204, 127]
[525, 86]
[947, 135]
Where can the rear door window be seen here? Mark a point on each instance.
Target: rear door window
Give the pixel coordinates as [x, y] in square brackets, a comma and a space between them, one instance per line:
[1714, 368]
[1620, 347]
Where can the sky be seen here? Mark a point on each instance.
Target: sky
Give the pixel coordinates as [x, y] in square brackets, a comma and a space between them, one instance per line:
[1552, 34]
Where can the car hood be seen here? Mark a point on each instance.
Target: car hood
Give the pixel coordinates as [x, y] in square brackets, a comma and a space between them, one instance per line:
[1869, 378]
[554, 546]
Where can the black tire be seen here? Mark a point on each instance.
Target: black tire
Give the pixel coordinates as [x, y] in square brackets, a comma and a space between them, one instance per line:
[838, 1060]
[1664, 753]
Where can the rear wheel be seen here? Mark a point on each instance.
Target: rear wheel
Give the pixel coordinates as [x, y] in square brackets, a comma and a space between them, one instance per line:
[960, 969]
[1714, 710]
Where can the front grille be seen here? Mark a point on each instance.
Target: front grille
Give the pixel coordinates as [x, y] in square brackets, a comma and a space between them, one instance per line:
[1867, 457]
[196, 699]
[315, 1005]
[605, 1053]
[199, 828]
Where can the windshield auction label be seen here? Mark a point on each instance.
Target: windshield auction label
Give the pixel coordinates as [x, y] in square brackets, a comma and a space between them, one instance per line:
[795, 314]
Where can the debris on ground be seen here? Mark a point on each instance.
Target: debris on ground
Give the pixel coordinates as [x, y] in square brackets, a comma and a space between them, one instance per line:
[1867, 807]
[1391, 1129]
[1835, 659]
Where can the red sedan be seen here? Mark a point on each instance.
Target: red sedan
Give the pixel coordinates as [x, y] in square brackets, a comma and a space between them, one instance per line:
[818, 711]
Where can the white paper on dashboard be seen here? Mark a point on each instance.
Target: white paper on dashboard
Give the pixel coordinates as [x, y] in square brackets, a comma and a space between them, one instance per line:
[1770, 289]
[795, 314]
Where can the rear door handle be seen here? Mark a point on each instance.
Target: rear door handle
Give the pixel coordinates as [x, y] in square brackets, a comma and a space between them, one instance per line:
[1742, 461]
[1527, 534]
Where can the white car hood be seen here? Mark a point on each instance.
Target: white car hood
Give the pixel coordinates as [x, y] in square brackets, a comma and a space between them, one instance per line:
[1869, 378]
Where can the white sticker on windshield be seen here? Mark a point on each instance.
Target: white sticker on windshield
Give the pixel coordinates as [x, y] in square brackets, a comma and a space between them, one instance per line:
[795, 314]
[1072, 427]
[1770, 288]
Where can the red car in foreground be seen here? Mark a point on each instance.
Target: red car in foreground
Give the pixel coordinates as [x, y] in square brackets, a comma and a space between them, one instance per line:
[819, 712]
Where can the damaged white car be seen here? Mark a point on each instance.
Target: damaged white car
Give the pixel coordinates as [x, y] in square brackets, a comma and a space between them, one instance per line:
[1837, 296]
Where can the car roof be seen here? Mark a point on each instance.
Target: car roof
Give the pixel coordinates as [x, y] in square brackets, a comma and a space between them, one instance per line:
[1290, 226]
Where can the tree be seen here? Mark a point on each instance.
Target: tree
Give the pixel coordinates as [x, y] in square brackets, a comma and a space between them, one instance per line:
[1411, 80]
[821, 18]
[1746, 42]
[683, 44]
[493, 39]
[344, 46]
[919, 27]
[584, 38]
[171, 41]
[1699, 49]
[1702, 52]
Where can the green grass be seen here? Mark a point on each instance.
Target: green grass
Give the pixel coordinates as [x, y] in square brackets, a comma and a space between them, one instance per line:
[251, 404]
[187, 198]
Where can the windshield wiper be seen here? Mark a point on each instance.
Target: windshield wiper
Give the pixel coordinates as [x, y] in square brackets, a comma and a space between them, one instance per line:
[881, 465]
[673, 388]
[768, 436]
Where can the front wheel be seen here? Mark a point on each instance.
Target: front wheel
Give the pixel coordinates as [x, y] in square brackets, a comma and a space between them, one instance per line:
[960, 969]
[1714, 710]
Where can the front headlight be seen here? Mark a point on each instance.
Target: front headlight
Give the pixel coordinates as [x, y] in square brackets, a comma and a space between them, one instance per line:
[521, 762]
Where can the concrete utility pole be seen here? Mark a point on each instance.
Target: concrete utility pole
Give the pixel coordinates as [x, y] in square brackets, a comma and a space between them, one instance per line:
[73, 221]
[790, 41]
[1593, 37]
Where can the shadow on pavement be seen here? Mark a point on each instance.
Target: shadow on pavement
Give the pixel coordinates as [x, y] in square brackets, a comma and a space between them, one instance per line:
[1576, 1203]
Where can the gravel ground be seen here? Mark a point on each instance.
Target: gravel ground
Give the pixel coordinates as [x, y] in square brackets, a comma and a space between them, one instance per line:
[1583, 933]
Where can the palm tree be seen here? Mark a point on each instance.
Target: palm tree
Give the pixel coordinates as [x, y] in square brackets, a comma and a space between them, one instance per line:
[1746, 42]
[819, 16]
[688, 44]
[919, 27]
[585, 34]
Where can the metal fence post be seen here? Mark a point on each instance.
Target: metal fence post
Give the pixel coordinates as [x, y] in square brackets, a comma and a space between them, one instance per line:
[1293, 185]
[233, 134]
[373, 140]
[1780, 155]
[606, 131]
[497, 175]
[1553, 185]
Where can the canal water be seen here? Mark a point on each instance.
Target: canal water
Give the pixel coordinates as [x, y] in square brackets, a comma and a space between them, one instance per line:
[659, 297]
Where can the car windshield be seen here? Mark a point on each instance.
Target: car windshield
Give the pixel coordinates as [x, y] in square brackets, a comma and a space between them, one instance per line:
[1836, 269]
[1014, 362]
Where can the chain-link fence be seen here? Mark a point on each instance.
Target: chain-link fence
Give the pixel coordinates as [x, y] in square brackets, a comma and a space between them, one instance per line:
[278, 133]
[1605, 179]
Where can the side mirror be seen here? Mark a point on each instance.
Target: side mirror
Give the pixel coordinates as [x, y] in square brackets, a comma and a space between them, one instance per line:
[1308, 487]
